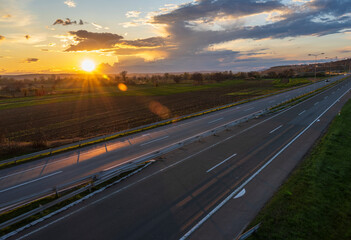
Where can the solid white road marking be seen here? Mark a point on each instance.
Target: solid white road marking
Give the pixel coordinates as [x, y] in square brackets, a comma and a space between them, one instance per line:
[158, 139]
[316, 103]
[240, 194]
[275, 129]
[193, 229]
[209, 170]
[302, 112]
[219, 119]
[31, 181]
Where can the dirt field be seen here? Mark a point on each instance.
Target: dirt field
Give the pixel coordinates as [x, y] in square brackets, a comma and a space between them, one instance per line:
[68, 121]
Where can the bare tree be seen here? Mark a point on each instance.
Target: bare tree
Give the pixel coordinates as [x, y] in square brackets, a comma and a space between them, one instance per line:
[124, 76]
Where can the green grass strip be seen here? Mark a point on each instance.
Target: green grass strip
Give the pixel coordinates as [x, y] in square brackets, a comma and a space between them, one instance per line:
[315, 202]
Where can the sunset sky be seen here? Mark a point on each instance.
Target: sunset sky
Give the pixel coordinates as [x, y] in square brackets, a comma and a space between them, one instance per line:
[55, 36]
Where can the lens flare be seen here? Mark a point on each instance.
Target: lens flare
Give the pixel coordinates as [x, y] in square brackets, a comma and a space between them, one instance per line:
[122, 87]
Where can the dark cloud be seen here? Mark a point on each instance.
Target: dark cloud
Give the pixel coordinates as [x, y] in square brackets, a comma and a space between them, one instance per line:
[210, 9]
[2, 38]
[96, 41]
[192, 41]
[147, 42]
[27, 37]
[93, 41]
[298, 21]
[31, 60]
[68, 22]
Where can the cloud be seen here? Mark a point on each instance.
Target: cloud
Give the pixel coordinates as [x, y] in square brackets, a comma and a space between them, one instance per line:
[68, 22]
[194, 27]
[27, 37]
[133, 14]
[2, 38]
[31, 60]
[88, 41]
[70, 3]
[147, 42]
[191, 30]
[6, 16]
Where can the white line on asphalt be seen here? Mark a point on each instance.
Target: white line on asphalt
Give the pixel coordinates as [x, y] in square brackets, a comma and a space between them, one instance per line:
[255, 174]
[158, 139]
[219, 119]
[240, 194]
[162, 170]
[302, 112]
[325, 97]
[209, 170]
[316, 103]
[248, 109]
[275, 129]
[31, 181]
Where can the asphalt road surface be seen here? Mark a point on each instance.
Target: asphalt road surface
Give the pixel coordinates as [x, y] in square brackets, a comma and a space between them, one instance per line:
[190, 194]
[21, 181]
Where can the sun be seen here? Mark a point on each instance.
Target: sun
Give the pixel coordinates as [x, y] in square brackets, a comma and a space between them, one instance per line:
[88, 65]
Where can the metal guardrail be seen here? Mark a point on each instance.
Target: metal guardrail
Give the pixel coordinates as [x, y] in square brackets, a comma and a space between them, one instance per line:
[249, 232]
[98, 178]
[167, 149]
[89, 181]
[58, 189]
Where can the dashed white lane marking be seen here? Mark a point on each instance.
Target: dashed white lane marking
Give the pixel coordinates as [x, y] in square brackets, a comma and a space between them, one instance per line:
[275, 129]
[302, 112]
[209, 170]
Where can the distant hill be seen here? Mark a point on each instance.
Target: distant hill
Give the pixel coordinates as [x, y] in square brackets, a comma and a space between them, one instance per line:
[334, 67]
[304, 69]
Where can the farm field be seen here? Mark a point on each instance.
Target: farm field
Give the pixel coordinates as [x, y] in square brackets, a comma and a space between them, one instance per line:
[72, 114]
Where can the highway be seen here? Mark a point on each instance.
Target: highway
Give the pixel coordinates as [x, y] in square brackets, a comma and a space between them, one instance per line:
[27, 179]
[207, 190]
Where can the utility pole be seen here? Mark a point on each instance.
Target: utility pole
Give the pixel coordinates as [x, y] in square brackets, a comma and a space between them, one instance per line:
[329, 65]
[315, 64]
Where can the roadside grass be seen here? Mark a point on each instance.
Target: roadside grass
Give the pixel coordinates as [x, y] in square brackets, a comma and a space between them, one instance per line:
[315, 202]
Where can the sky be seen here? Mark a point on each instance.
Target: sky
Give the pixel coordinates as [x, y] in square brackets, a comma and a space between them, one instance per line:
[55, 36]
